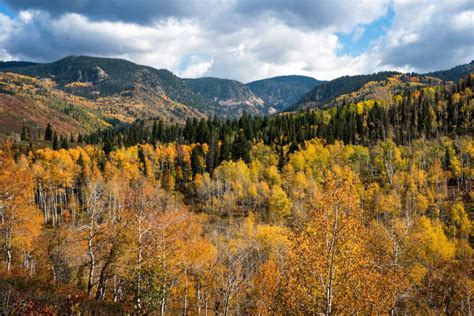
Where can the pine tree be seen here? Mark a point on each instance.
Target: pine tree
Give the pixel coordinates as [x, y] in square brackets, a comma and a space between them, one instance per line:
[108, 147]
[226, 150]
[241, 147]
[447, 159]
[48, 134]
[55, 141]
[198, 164]
[24, 133]
[64, 142]
[142, 159]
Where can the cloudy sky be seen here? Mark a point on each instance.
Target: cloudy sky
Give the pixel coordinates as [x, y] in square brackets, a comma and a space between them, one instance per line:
[245, 39]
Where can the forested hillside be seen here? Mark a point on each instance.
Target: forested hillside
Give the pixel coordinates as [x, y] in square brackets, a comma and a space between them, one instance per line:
[15, 64]
[428, 112]
[283, 91]
[121, 91]
[126, 82]
[363, 208]
[327, 91]
[454, 73]
[129, 91]
[331, 93]
[29, 104]
[230, 98]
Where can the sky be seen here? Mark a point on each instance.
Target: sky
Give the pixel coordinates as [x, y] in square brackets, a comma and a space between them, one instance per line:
[245, 39]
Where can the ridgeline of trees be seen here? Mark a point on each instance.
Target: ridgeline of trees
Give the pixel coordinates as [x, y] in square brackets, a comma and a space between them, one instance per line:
[427, 112]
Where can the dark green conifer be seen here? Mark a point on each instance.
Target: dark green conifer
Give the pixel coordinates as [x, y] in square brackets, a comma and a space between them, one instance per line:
[48, 134]
[55, 141]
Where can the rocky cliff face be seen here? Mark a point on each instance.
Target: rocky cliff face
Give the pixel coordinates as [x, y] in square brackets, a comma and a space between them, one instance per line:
[232, 98]
[278, 93]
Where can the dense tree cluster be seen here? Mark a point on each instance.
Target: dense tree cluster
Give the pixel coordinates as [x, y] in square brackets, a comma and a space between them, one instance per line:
[337, 229]
[426, 112]
[291, 214]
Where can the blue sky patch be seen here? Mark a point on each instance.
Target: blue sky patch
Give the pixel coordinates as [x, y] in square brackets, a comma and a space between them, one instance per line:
[359, 40]
[5, 11]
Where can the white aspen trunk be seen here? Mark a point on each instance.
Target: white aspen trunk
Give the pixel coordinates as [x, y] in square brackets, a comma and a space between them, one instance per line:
[90, 248]
[139, 266]
[332, 267]
[163, 301]
[8, 247]
[9, 259]
[185, 306]
[198, 294]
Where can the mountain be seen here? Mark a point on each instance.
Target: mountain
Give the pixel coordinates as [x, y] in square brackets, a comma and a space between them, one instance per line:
[279, 93]
[231, 97]
[31, 102]
[87, 92]
[327, 91]
[128, 91]
[261, 97]
[123, 88]
[16, 64]
[455, 73]
[384, 90]
[375, 86]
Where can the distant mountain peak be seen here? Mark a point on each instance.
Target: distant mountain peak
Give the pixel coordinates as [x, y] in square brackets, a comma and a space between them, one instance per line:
[230, 96]
[282, 91]
[128, 90]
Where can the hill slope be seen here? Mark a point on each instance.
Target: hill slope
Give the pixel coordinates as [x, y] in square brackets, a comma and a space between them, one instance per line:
[231, 97]
[141, 91]
[281, 92]
[354, 88]
[455, 73]
[122, 87]
[125, 91]
[384, 90]
[327, 91]
[35, 103]
[16, 64]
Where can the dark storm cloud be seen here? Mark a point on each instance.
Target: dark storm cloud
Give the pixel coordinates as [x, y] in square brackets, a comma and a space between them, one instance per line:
[136, 11]
[41, 40]
[314, 14]
[244, 40]
[427, 37]
[436, 50]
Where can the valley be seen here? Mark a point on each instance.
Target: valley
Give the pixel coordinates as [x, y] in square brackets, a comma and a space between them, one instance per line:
[126, 189]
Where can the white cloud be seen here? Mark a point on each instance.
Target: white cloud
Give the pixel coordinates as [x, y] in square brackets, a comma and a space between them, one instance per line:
[463, 21]
[428, 35]
[244, 40]
[197, 67]
[261, 49]
[25, 16]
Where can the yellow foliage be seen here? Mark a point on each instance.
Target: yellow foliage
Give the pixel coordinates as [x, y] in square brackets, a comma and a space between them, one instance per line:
[279, 205]
[433, 245]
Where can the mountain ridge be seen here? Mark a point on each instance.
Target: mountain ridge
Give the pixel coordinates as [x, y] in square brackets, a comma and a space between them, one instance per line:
[283, 91]
[230, 96]
[326, 94]
[454, 73]
[99, 78]
[123, 91]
